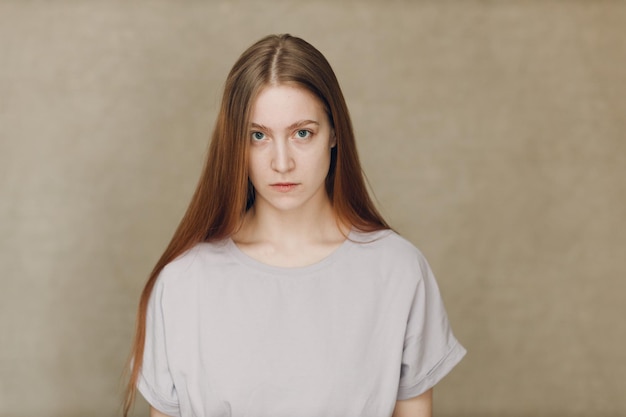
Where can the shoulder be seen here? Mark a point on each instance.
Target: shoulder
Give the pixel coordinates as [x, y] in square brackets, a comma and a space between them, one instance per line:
[388, 248]
[386, 242]
[197, 261]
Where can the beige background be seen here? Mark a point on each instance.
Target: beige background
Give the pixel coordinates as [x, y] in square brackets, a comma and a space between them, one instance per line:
[492, 134]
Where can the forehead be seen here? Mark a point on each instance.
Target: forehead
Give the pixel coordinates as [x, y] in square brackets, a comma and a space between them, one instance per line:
[282, 105]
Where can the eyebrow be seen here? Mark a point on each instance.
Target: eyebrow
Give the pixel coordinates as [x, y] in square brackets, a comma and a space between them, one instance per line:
[290, 127]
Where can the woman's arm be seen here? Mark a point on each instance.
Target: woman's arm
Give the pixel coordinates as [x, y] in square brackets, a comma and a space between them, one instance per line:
[156, 413]
[420, 406]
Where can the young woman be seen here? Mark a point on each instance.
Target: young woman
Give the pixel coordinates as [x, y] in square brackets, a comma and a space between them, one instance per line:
[283, 291]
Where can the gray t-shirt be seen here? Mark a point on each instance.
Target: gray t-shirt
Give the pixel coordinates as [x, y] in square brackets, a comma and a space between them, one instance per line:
[227, 335]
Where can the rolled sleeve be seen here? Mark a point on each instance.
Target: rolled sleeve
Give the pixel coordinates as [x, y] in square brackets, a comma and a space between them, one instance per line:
[430, 349]
[155, 379]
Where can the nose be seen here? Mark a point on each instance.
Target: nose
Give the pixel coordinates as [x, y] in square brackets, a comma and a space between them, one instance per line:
[282, 160]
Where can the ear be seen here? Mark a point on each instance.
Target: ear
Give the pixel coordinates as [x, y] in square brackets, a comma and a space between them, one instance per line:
[333, 138]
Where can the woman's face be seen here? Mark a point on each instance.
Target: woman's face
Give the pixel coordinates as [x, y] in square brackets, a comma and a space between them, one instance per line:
[290, 144]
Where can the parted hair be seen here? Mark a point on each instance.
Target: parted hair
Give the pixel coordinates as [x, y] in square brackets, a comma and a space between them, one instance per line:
[224, 192]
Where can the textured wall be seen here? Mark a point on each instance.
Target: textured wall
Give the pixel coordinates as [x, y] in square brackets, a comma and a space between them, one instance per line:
[492, 134]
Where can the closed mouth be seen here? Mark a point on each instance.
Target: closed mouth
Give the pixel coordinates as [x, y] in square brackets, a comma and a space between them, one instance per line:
[284, 186]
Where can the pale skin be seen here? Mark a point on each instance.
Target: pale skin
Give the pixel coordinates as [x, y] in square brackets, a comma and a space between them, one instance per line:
[292, 222]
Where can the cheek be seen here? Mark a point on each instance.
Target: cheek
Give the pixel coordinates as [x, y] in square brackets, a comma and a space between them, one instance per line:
[254, 167]
[322, 163]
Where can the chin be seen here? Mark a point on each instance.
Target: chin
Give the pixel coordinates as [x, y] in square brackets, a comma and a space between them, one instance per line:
[282, 205]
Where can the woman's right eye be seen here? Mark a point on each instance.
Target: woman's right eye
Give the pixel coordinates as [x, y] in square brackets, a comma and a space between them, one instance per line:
[258, 136]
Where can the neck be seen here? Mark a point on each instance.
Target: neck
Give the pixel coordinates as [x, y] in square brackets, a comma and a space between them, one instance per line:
[263, 224]
[290, 238]
[290, 226]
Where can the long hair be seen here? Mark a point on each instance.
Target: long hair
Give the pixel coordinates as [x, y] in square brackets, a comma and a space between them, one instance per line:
[224, 192]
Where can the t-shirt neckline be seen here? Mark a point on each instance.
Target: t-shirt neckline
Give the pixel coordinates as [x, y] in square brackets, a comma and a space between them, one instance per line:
[246, 259]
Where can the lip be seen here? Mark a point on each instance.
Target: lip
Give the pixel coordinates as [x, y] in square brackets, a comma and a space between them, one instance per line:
[283, 187]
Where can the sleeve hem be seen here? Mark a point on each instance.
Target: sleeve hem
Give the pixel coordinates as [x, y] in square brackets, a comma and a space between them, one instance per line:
[436, 374]
[164, 406]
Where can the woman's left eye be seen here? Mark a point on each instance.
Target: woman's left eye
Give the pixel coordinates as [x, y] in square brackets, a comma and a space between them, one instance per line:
[303, 134]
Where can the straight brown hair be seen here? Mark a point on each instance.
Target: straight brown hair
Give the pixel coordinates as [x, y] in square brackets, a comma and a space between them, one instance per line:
[224, 193]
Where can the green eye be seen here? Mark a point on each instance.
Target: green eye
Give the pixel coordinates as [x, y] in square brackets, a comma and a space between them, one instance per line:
[303, 134]
[258, 135]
